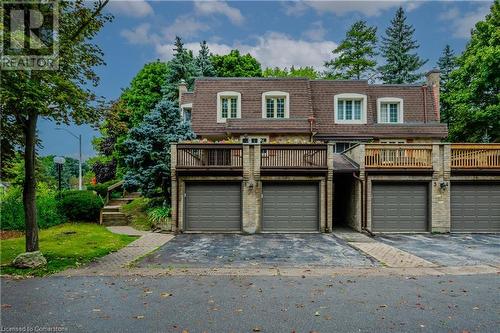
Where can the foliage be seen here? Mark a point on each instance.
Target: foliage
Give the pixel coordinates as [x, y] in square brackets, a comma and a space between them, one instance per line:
[446, 64]
[101, 188]
[137, 212]
[401, 65]
[203, 63]
[308, 72]
[103, 167]
[70, 170]
[81, 205]
[12, 213]
[182, 67]
[160, 217]
[61, 95]
[236, 65]
[64, 246]
[143, 94]
[354, 57]
[147, 148]
[474, 87]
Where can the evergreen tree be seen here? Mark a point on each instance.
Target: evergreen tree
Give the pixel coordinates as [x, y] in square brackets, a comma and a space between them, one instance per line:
[148, 149]
[182, 67]
[474, 87]
[203, 63]
[446, 64]
[401, 64]
[355, 54]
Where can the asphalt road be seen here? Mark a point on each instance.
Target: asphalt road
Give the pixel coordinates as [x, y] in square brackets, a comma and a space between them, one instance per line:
[252, 304]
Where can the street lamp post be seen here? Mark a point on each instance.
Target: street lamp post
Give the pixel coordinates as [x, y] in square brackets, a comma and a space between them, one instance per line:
[79, 138]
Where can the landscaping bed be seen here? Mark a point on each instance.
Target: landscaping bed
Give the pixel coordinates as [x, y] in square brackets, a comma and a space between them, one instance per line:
[64, 246]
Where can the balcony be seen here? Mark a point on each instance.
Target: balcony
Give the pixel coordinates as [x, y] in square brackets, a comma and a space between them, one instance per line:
[475, 156]
[405, 156]
[210, 156]
[293, 156]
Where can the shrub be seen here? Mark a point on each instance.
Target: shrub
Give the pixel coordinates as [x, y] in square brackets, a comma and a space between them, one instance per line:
[160, 217]
[12, 212]
[101, 188]
[81, 205]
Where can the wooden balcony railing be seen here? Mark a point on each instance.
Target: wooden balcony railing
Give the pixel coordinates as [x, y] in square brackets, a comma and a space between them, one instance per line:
[192, 156]
[293, 156]
[470, 156]
[398, 156]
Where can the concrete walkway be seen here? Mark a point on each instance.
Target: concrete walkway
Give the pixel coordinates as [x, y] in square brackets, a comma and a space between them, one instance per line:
[386, 254]
[114, 263]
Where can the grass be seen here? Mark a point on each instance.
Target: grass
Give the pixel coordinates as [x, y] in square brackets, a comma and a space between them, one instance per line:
[137, 210]
[64, 246]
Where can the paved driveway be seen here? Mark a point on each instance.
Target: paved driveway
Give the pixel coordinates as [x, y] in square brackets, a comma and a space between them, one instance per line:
[449, 250]
[285, 250]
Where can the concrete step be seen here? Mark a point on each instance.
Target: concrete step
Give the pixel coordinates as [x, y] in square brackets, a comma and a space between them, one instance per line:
[113, 218]
[111, 208]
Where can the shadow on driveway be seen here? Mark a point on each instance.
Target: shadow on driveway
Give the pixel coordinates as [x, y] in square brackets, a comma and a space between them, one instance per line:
[449, 250]
[286, 250]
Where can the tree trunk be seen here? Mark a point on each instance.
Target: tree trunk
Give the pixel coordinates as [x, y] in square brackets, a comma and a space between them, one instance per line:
[29, 190]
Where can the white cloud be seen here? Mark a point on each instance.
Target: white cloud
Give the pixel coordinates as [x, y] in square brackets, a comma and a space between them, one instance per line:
[272, 49]
[184, 26]
[316, 33]
[207, 8]
[462, 23]
[134, 8]
[140, 35]
[340, 8]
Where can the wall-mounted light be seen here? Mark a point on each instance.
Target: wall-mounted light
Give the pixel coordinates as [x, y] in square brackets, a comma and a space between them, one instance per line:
[443, 186]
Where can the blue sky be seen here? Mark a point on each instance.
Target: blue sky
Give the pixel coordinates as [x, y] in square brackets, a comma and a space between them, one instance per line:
[277, 33]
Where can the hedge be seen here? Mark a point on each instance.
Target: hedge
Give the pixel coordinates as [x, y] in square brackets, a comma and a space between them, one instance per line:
[80, 205]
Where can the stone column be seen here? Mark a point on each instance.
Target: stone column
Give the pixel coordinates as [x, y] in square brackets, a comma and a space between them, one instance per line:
[252, 189]
[440, 188]
[329, 188]
[173, 184]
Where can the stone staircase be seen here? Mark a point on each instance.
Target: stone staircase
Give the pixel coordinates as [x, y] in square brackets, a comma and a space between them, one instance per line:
[111, 213]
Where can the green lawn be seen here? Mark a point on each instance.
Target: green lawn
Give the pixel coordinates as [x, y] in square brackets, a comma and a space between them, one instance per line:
[66, 245]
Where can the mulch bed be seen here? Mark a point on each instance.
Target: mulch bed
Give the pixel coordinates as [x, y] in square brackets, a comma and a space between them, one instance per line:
[6, 234]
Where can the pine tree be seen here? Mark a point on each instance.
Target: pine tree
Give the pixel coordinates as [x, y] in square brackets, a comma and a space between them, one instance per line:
[203, 63]
[355, 54]
[148, 149]
[446, 64]
[401, 64]
[182, 67]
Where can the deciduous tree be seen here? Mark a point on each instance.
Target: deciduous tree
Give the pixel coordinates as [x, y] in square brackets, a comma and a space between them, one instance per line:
[234, 64]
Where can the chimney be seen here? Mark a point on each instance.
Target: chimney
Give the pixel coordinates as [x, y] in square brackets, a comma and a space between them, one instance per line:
[182, 88]
[433, 80]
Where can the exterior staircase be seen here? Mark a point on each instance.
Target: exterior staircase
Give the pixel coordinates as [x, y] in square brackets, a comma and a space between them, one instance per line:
[111, 213]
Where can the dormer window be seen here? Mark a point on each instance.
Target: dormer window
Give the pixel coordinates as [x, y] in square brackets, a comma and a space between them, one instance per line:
[228, 106]
[390, 110]
[186, 112]
[349, 108]
[275, 105]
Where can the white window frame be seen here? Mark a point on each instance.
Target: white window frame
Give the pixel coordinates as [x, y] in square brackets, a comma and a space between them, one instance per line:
[350, 96]
[275, 94]
[186, 106]
[228, 94]
[390, 100]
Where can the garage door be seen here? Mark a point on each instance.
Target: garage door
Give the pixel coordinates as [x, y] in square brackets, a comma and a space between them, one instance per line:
[475, 207]
[213, 207]
[290, 207]
[399, 207]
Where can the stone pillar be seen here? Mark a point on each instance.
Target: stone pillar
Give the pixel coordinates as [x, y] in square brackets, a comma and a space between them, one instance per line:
[440, 188]
[252, 189]
[173, 184]
[329, 188]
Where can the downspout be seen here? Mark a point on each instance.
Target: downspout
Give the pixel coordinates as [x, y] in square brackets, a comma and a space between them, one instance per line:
[424, 93]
